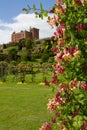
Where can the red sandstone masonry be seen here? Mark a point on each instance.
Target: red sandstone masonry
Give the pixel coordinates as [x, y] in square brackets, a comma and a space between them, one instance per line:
[33, 34]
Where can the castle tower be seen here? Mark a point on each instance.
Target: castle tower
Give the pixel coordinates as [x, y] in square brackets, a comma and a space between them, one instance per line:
[35, 33]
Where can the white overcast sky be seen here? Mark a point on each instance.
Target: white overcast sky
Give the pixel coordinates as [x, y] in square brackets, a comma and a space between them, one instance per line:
[24, 22]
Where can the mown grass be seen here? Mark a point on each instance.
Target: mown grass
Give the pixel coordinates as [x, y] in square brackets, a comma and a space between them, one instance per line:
[23, 106]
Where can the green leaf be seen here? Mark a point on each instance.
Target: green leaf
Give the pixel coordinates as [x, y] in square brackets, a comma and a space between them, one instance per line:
[34, 7]
[77, 122]
[46, 47]
[85, 20]
[41, 6]
[25, 10]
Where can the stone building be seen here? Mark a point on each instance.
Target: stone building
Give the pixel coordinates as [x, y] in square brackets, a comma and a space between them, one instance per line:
[33, 34]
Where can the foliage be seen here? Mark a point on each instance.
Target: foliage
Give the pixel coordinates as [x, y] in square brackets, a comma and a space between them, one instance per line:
[21, 44]
[3, 70]
[12, 52]
[1, 57]
[26, 50]
[28, 43]
[23, 54]
[68, 106]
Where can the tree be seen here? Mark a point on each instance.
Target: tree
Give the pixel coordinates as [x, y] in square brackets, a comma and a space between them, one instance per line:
[12, 53]
[28, 43]
[21, 44]
[23, 54]
[3, 70]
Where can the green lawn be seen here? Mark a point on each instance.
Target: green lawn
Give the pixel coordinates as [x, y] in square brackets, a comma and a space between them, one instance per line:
[23, 106]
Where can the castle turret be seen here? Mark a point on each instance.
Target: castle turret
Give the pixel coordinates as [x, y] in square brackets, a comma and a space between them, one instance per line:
[35, 33]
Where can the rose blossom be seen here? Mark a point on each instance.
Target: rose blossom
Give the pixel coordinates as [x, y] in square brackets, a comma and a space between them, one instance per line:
[84, 85]
[46, 126]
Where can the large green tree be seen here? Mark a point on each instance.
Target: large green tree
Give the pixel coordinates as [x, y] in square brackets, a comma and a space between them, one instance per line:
[12, 53]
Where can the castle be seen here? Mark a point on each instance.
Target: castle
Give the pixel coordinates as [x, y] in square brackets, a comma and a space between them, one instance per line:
[33, 34]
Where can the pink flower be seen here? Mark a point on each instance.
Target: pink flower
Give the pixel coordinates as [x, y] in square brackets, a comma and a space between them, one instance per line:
[80, 2]
[53, 120]
[71, 51]
[84, 85]
[59, 56]
[76, 54]
[58, 2]
[61, 9]
[84, 125]
[52, 104]
[54, 79]
[54, 38]
[59, 99]
[59, 68]
[80, 27]
[60, 31]
[55, 50]
[53, 21]
[46, 126]
[62, 87]
[55, 102]
[54, 65]
[67, 56]
[61, 6]
[60, 41]
[74, 84]
[66, 51]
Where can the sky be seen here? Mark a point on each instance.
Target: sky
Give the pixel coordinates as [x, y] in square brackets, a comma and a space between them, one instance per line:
[13, 19]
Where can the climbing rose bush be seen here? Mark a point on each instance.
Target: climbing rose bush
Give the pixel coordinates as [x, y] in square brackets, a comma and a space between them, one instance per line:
[68, 107]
